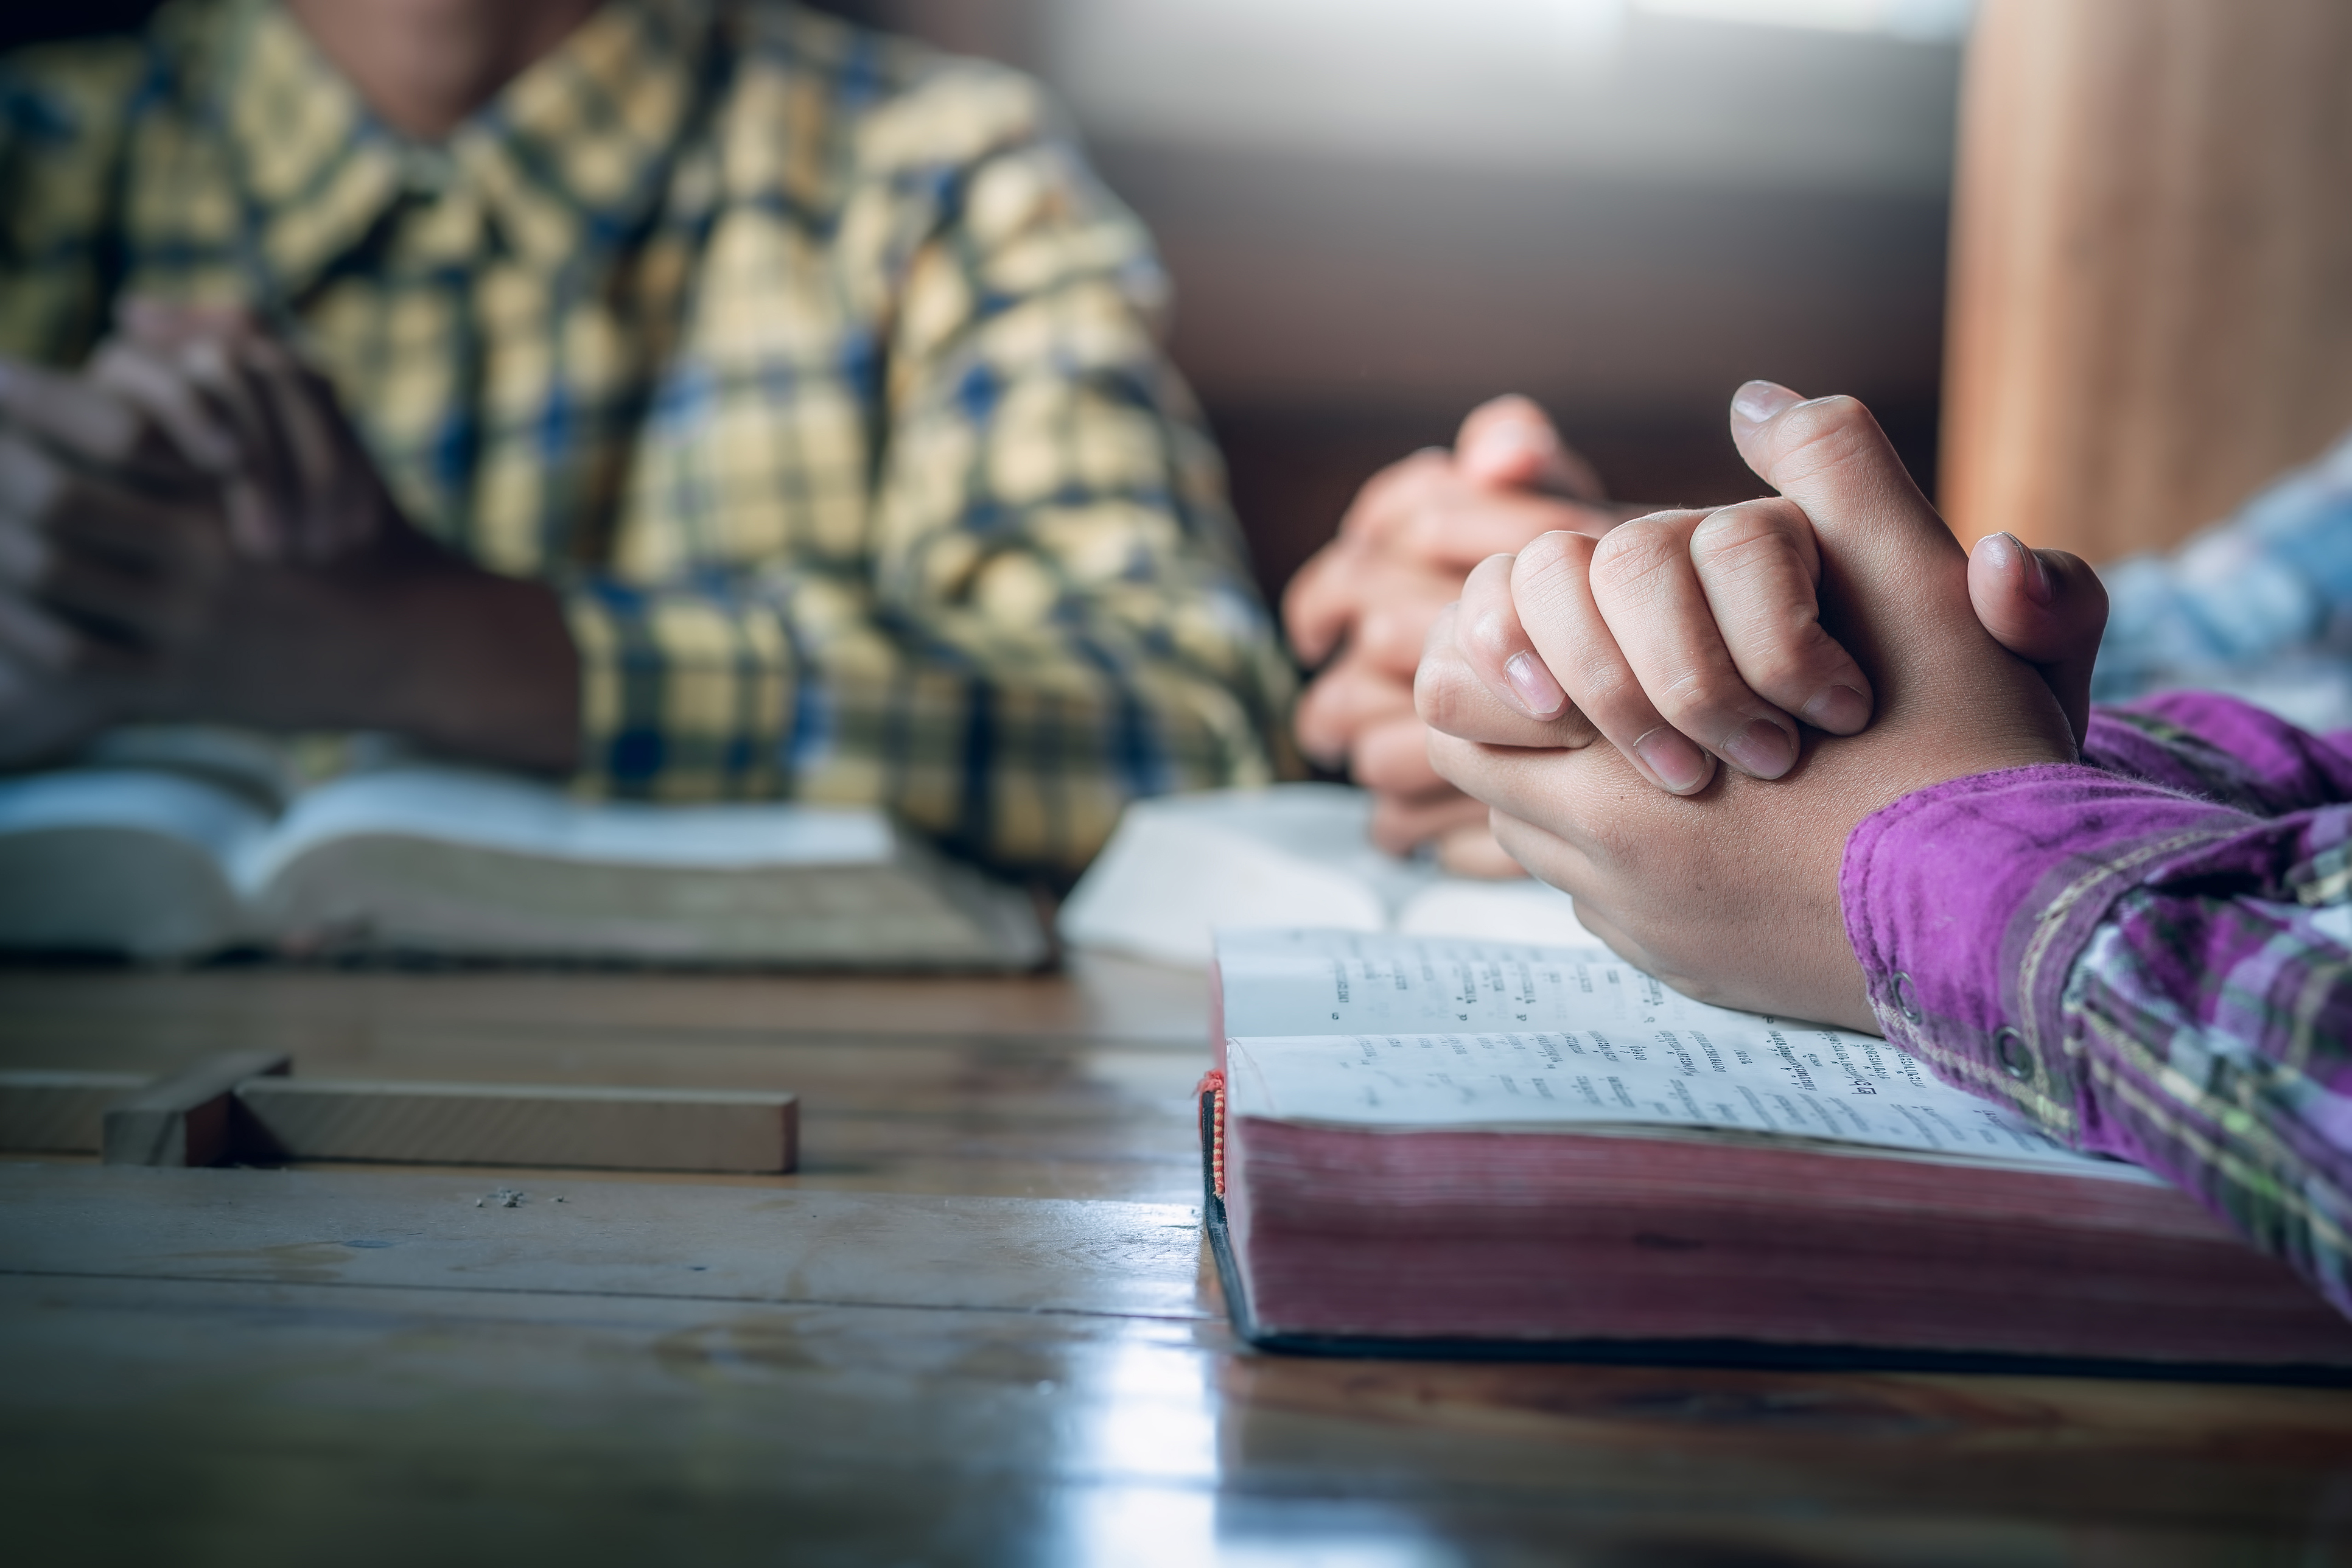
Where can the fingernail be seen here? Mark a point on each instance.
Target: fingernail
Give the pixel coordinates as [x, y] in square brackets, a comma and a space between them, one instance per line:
[1761, 749]
[1538, 692]
[1840, 710]
[1678, 764]
[1757, 401]
[2038, 585]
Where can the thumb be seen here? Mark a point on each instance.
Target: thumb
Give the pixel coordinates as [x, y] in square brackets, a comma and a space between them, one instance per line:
[2046, 606]
[1829, 455]
[1897, 577]
[1509, 443]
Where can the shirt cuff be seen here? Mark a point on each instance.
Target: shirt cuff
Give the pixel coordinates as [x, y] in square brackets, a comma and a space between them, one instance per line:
[679, 699]
[1968, 902]
[2225, 750]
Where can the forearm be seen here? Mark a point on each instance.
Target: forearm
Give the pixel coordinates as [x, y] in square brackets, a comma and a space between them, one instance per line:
[481, 666]
[465, 662]
[1019, 746]
[2146, 974]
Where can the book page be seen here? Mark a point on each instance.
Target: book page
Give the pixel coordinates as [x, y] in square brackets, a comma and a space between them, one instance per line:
[123, 859]
[493, 811]
[1373, 1031]
[1469, 909]
[1179, 866]
[214, 821]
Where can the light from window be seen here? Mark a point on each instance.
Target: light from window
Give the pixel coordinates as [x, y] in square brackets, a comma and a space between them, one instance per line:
[1937, 19]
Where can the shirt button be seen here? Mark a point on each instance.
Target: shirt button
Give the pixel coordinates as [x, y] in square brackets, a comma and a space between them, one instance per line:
[1906, 997]
[2008, 1048]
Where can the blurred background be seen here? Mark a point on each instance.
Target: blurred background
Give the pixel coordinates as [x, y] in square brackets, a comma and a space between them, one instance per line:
[1379, 212]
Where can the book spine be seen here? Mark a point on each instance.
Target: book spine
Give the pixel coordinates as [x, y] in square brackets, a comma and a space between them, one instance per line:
[1211, 1092]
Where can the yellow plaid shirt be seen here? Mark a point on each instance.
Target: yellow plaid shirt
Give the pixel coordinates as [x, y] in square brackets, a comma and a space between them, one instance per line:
[814, 367]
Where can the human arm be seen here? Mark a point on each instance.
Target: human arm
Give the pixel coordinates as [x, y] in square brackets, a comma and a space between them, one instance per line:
[2144, 972]
[1021, 600]
[2148, 975]
[125, 597]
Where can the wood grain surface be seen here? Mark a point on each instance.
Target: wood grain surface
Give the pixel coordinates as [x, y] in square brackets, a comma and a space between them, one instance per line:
[976, 1328]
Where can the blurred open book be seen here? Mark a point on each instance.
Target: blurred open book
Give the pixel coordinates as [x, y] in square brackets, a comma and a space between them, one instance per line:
[1294, 854]
[177, 843]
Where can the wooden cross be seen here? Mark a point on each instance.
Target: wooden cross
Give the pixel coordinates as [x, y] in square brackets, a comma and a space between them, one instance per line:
[243, 1107]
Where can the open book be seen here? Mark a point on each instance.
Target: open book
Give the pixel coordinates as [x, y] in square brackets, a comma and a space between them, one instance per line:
[1292, 855]
[166, 851]
[1419, 1145]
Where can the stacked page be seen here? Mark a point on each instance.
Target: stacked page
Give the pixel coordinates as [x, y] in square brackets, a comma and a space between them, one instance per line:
[1293, 854]
[163, 861]
[1429, 1146]
[1353, 1030]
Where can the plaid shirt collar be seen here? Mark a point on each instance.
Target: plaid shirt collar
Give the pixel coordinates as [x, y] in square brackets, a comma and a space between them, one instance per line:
[569, 158]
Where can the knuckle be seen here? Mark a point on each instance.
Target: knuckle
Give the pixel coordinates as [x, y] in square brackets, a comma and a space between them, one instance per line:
[1744, 528]
[1445, 694]
[1637, 554]
[1494, 637]
[1829, 430]
[1553, 551]
[1605, 688]
[1700, 691]
[1550, 560]
[1782, 668]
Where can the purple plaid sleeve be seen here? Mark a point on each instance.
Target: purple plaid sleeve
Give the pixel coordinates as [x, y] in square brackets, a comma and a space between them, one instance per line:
[2150, 953]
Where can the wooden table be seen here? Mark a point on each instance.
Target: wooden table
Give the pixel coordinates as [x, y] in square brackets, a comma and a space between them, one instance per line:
[977, 1327]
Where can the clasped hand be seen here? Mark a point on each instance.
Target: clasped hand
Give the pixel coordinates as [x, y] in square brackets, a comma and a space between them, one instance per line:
[159, 513]
[1760, 636]
[191, 530]
[1361, 609]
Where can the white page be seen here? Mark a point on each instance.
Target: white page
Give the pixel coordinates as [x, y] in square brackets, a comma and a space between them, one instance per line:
[1179, 866]
[1519, 910]
[1319, 982]
[1387, 1031]
[123, 859]
[492, 811]
[221, 825]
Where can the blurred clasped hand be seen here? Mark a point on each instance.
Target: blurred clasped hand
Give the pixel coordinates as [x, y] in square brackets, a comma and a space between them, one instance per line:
[191, 528]
[1361, 608]
[238, 406]
[1689, 638]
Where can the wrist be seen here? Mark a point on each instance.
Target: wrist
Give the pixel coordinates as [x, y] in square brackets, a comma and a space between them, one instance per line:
[474, 664]
[415, 641]
[1967, 902]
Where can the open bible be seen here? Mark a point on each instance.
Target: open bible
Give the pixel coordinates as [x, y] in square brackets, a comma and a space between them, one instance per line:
[1285, 855]
[1419, 1146]
[181, 847]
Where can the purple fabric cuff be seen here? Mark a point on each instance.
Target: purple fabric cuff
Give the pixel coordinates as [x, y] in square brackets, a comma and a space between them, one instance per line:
[1968, 903]
[2218, 747]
